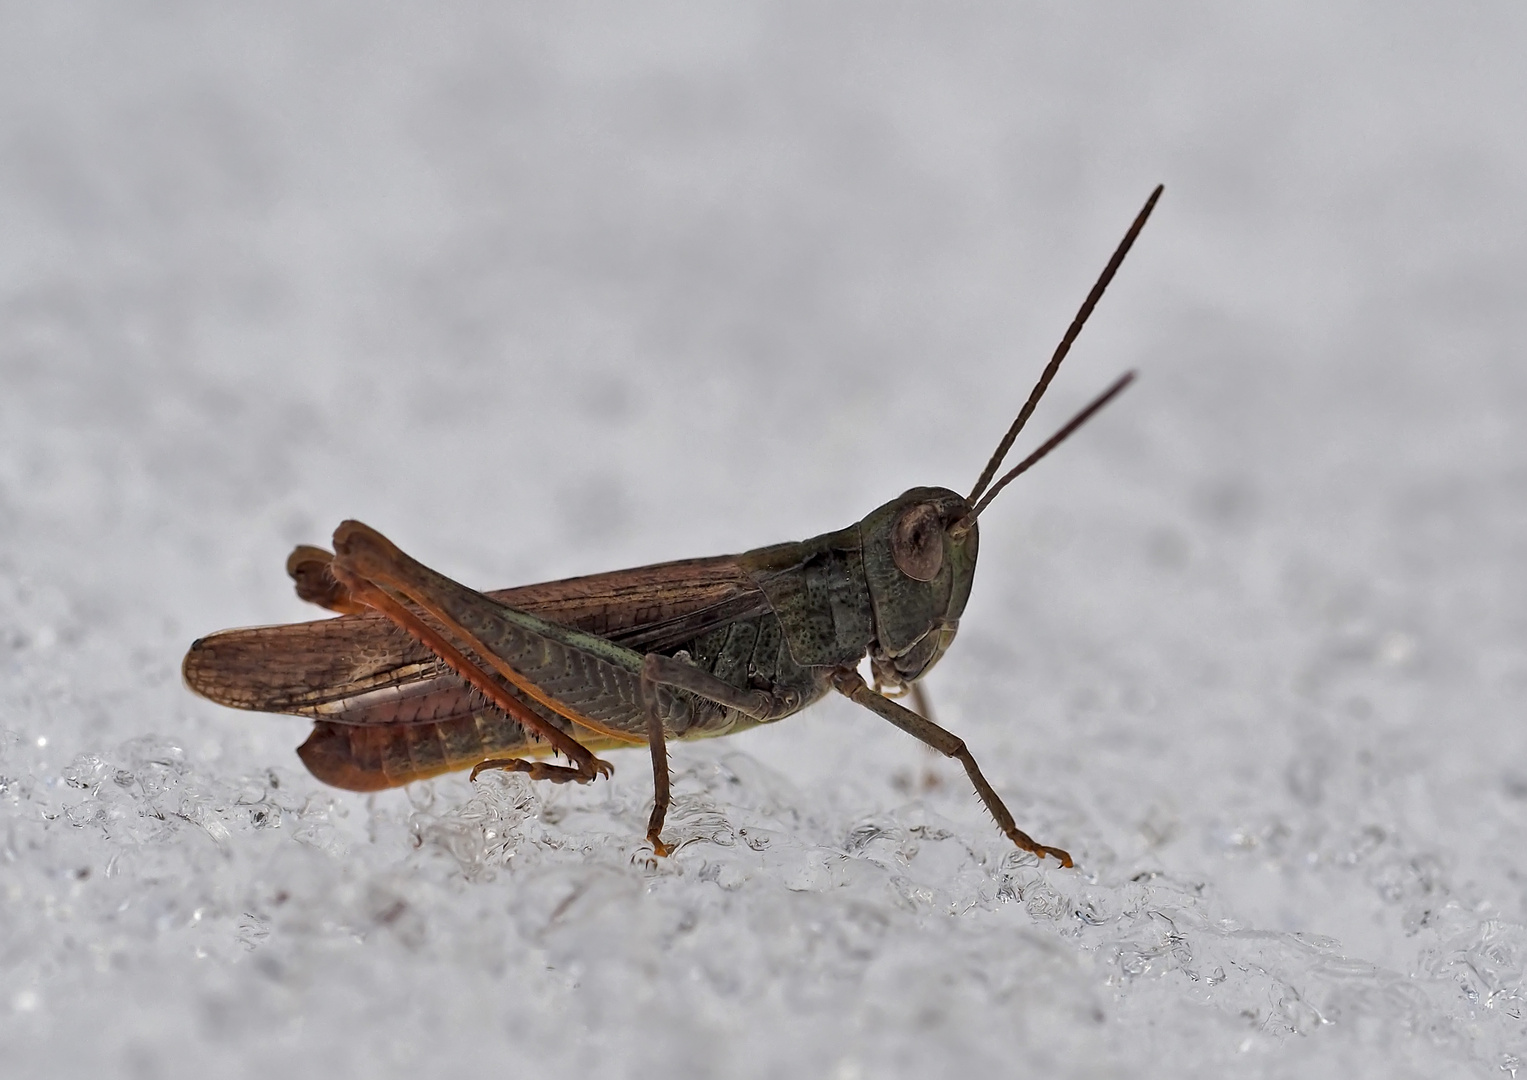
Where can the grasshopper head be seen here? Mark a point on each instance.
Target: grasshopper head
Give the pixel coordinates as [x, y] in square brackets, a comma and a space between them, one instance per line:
[920, 557]
[919, 568]
[920, 549]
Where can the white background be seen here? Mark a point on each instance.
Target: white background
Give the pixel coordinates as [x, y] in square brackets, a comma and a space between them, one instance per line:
[546, 291]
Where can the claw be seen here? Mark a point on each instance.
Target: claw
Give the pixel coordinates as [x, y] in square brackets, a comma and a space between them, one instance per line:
[1043, 849]
[540, 770]
[1027, 843]
[1065, 860]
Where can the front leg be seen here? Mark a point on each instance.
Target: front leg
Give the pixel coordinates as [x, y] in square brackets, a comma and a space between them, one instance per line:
[848, 683]
[659, 670]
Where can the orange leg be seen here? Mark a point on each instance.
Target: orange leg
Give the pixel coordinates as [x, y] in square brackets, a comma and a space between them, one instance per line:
[848, 683]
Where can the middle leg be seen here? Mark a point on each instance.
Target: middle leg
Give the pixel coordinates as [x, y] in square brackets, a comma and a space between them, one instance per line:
[659, 670]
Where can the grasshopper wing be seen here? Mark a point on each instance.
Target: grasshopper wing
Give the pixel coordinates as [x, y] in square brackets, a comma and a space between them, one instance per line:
[388, 711]
[360, 669]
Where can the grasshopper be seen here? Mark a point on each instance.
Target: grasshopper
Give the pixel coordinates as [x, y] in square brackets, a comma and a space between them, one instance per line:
[680, 650]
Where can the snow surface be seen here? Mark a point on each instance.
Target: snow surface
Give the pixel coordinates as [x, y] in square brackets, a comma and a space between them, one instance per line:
[549, 290]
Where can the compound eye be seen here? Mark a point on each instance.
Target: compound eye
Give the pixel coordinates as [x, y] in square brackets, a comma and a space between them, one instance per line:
[917, 542]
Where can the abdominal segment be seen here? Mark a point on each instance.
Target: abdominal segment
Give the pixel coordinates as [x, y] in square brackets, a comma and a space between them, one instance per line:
[376, 756]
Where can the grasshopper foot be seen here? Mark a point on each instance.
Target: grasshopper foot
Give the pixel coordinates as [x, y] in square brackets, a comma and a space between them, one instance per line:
[1028, 843]
[540, 770]
[660, 849]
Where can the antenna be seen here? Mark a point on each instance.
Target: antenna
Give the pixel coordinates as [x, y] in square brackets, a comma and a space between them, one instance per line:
[964, 524]
[1060, 354]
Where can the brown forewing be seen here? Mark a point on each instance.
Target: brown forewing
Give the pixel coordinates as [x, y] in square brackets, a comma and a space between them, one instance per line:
[360, 669]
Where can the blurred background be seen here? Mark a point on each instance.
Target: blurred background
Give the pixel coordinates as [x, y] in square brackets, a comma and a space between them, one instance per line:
[548, 291]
